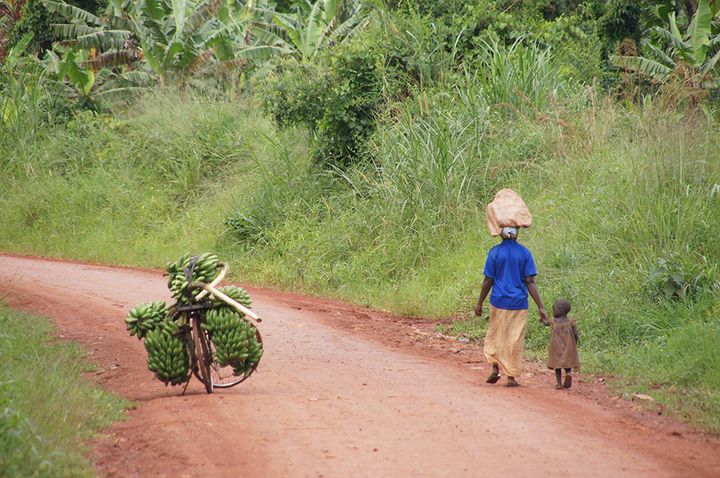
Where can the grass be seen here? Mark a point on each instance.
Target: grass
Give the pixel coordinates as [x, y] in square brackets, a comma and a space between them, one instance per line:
[47, 409]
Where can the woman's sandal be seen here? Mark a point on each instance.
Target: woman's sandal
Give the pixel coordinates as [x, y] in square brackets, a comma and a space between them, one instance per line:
[559, 386]
[568, 381]
[512, 382]
[494, 377]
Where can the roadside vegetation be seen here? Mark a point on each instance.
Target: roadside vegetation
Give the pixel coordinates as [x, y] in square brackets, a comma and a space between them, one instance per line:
[47, 409]
[348, 149]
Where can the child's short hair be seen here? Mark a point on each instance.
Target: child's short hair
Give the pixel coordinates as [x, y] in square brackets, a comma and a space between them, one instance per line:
[561, 307]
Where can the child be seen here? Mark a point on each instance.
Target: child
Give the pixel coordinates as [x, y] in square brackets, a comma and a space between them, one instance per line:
[562, 349]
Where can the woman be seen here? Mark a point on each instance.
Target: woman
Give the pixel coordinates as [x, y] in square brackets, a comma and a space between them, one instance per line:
[510, 273]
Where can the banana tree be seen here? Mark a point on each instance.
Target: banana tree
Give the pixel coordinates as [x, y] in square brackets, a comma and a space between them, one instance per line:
[172, 39]
[316, 26]
[691, 57]
[23, 95]
[10, 13]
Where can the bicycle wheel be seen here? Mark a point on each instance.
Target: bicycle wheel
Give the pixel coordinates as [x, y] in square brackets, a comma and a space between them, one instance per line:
[223, 377]
[203, 354]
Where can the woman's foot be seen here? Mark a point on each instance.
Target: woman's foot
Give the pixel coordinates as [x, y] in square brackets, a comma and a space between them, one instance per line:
[568, 381]
[511, 382]
[495, 375]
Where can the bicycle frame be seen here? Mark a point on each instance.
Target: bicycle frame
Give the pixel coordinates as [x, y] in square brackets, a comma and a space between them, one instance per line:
[194, 316]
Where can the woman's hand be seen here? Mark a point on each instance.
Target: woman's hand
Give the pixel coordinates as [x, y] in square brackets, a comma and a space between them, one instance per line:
[543, 317]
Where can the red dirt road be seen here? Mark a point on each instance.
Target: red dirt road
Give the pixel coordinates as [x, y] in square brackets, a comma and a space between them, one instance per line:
[342, 391]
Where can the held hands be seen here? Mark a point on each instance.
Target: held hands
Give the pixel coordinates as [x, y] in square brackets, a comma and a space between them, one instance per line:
[543, 317]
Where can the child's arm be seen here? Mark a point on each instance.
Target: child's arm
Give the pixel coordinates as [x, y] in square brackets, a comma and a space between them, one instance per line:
[575, 330]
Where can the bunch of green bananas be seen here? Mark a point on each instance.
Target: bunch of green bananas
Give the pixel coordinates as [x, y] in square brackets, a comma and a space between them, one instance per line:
[235, 340]
[145, 317]
[167, 354]
[236, 293]
[205, 270]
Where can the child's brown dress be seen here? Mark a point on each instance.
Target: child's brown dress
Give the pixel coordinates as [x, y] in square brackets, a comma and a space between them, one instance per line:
[562, 350]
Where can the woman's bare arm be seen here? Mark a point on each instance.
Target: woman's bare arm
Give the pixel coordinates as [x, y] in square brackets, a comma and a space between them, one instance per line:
[532, 289]
[487, 284]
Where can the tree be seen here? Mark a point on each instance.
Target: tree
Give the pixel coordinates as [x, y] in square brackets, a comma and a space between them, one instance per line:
[314, 27]
[171, 39]
[10, 13]
[691, 57]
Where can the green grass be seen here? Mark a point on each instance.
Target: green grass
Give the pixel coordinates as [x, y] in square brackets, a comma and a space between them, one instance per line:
[47, 409]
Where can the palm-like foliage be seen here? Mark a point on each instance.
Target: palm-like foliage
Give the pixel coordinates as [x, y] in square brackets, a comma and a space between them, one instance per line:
[169, 38]
[314, 27]
[10, 12]
[692, 56]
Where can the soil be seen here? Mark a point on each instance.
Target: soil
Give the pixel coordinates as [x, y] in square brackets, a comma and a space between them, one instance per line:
[344, 391]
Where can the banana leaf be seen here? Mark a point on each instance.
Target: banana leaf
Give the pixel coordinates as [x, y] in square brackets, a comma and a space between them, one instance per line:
[644, 66]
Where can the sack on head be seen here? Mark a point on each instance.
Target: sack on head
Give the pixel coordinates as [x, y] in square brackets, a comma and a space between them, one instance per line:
[507, 209]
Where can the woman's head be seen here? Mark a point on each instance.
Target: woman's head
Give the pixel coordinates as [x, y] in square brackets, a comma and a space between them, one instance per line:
[560, 308]
[509, 232]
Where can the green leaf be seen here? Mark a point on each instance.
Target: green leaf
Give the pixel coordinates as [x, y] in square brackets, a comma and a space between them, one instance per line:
[289, 29]
[266, 37]
[674, 41]
[179, 13]
[155, 9]
[104, 40]
[72, 12]
[261, 52]
[330, 8]
[82, 78]
[349, 27]
[674, 28]
[644, 66]
[708, 67]
[71, 30]
[19, 49]
[699, 33]
[667, 59]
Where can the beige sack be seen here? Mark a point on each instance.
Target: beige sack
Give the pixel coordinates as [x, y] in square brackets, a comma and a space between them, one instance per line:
[507, 209]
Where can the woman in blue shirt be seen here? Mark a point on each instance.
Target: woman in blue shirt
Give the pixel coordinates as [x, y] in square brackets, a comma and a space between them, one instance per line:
[510, 273]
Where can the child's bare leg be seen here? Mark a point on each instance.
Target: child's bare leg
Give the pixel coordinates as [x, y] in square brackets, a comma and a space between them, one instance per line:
[558, 377]
[568, 378]
[495, 375]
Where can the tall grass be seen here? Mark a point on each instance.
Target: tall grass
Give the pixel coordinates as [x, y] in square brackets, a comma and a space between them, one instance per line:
[99, 184]
[47, 410]
[523, 77]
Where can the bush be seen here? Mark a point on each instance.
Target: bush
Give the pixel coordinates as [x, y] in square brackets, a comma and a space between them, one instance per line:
[35, 19]
[336, 100]
[339, 98]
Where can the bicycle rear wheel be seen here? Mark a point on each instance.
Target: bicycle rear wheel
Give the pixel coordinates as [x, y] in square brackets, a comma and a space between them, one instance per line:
[203, 354]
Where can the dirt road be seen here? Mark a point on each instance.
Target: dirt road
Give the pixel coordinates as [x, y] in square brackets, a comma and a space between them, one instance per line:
[342, 392]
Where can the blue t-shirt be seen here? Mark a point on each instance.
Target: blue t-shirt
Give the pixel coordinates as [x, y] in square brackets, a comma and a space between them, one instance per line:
[508, 264]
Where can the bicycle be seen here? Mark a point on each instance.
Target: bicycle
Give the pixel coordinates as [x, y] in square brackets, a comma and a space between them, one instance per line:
[190, 317]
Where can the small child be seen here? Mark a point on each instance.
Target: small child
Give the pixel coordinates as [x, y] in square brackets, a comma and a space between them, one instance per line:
[562, 349]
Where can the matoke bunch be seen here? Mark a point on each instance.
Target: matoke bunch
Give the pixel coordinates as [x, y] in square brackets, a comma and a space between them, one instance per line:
[166, 329]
